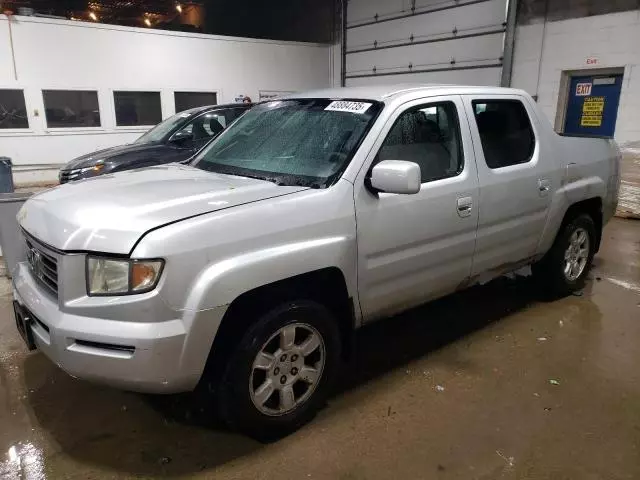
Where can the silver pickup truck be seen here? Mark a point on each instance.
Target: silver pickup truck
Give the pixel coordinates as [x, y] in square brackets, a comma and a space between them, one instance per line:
[244, 275]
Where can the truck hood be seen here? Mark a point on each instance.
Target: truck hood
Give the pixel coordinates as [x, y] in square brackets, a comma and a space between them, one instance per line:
[109, 154]
[111, 212]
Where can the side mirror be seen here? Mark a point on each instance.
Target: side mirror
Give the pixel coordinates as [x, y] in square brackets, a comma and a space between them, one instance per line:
[181, 137]
[396, 176]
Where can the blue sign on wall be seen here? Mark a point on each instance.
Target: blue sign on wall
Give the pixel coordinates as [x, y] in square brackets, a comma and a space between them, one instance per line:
[593, 105]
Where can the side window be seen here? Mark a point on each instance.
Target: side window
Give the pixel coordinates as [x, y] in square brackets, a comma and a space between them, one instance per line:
[13, 111]
[137, 108]
[71, 108]
[204, 127]
[506, 132]
[186, 100]
[428, 135]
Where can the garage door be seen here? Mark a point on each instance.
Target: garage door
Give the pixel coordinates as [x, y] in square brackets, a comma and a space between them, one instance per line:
[418, 41]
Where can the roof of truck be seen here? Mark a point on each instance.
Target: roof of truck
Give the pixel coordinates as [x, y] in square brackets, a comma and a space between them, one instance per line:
[387, 92]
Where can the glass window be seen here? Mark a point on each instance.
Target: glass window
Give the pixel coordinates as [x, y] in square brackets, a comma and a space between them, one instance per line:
[428, 135]
[71, 108]
[506, 132]
[137, 108]
[13, 111]
[292, 142]
[164, 128]
[186, 100]
[210, 124]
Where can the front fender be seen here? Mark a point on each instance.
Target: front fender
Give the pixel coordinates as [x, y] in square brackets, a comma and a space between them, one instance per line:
[222, 282]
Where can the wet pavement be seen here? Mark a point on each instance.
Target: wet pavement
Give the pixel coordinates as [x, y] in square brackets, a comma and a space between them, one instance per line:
[491, 383]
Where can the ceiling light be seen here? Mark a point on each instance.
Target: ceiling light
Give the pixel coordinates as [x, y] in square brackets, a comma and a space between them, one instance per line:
[93, 16]
[179, 8]
[147, 22]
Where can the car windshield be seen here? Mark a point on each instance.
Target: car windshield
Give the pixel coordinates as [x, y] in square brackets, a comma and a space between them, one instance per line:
[292, 142]
[157, 133]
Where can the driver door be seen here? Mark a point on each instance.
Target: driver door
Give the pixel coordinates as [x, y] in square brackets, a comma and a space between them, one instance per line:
[412, 248]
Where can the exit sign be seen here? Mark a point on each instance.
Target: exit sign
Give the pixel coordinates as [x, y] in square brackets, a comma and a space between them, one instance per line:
[592, 61]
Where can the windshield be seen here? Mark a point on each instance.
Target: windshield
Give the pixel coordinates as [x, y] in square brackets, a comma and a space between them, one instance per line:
[157, 133]
[292, 142]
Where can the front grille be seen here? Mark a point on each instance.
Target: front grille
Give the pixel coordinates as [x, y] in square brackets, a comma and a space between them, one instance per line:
[69, 175]
[43, 265]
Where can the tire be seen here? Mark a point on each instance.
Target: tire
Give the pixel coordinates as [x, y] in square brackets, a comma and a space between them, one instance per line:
[553, 273]
[244, 402]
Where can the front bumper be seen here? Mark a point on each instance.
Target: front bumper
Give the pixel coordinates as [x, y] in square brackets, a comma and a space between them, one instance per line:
[154, 357]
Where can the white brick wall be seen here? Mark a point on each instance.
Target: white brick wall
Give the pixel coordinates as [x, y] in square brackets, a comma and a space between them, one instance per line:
[613, 39]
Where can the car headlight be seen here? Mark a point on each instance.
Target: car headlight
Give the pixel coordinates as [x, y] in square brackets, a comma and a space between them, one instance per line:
[96, 169]
[108, 276]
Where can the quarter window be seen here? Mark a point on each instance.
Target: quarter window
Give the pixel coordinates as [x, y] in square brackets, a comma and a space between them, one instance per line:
[186, 100]
[506, 132]
[137, 108]
[428, 135]
[71, 108]
[13, 111]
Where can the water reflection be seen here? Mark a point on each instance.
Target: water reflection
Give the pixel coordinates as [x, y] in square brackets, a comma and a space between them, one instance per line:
[24, 461]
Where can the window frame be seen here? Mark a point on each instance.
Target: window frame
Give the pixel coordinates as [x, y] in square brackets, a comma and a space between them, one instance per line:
[164, 114]
[65, 130]
[193, 90]
[532, 155]
[29, 127]
[422, 106]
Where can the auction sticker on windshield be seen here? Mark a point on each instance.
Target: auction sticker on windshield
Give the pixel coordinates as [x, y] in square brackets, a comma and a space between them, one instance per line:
[344, 106]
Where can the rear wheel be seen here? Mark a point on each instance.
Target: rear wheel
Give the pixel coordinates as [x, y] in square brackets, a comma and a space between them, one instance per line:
[565, 267]
[281, 371]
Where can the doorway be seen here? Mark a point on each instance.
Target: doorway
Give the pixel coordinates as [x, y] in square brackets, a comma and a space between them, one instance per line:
[592, 101]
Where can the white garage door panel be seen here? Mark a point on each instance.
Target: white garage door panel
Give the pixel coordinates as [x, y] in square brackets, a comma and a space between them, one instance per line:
[363, 10]
[485, 76]
[451, 41]
[438, 55]
[467, 19]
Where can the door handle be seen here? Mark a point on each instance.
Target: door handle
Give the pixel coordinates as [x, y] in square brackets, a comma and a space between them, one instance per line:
[465, 206]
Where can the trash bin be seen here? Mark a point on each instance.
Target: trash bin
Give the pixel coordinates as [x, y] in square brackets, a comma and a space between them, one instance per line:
[6, 175]
[10, 240]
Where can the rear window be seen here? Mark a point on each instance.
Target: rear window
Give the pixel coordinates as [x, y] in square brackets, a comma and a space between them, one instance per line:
[506, 132]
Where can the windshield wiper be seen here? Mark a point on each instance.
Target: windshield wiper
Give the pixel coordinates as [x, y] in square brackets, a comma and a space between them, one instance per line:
[307, 183]
[275, 180]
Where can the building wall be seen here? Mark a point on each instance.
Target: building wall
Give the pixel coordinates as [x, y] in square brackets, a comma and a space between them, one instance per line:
[544, 49]
[59, 54]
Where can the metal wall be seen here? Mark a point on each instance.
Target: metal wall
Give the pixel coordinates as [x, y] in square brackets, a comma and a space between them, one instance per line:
[433, 41]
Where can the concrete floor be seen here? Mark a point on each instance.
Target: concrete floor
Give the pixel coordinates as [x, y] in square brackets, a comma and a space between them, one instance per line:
[492, 383]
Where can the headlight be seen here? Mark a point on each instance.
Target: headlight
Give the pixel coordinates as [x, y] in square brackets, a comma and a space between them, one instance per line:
[96, 169]
[107, 276]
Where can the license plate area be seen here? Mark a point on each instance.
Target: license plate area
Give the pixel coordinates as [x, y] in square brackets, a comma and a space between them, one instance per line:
[23, 323]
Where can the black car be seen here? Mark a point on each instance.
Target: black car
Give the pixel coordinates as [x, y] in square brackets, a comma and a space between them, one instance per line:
[176, 139]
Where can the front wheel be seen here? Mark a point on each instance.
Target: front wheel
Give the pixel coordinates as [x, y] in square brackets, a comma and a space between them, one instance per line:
[281, 371]
[565, 267]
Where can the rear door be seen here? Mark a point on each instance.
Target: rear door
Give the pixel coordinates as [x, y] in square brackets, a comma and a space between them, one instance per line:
[412, 248]
[515, 180]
